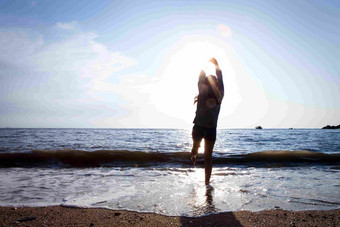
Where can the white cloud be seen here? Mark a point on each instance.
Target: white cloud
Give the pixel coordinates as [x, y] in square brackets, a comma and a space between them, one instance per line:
[18, 44]
[82, 55]
[56, 79]
[67, 26]
[78, 55]
[77, 82]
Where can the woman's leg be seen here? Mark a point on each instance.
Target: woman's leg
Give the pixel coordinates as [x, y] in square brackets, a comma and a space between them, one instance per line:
[194, 150]
[208, 150]
[196, 138]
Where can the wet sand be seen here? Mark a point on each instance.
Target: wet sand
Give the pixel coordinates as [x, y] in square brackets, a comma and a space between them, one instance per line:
[67, 216]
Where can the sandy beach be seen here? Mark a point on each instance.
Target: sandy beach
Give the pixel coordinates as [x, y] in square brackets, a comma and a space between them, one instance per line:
[67, 216]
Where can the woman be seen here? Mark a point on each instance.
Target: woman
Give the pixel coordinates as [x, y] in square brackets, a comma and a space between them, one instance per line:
[211, 91]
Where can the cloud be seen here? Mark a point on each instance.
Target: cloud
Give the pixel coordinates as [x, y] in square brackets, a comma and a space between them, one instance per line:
[18, 44]
[42, 80]
[67, 26]
[82, 55]
[78, 54]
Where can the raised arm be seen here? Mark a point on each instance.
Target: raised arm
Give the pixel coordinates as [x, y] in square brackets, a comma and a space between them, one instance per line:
[220, 86]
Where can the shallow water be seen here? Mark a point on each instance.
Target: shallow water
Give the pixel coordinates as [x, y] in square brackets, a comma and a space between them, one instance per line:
[170, 184]
[173, 191]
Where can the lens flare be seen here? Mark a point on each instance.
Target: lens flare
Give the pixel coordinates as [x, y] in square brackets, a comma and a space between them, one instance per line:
[224, 31]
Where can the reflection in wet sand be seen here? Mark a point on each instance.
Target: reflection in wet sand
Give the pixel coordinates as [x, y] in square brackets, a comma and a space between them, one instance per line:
[203, 200]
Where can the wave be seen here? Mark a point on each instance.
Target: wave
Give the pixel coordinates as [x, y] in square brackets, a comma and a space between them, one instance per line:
[119, 158]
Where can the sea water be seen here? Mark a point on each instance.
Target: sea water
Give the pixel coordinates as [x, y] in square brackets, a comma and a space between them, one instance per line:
[149, 170]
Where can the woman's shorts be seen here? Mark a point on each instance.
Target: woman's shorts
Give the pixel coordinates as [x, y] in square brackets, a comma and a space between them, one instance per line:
[199, 133]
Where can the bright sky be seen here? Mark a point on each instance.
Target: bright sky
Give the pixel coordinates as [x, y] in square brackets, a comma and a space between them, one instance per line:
[135, 64]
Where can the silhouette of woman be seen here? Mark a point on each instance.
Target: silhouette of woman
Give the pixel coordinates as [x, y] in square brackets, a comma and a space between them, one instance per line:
[211, 92]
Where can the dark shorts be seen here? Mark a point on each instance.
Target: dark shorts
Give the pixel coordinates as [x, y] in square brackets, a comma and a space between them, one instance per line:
[199, 133]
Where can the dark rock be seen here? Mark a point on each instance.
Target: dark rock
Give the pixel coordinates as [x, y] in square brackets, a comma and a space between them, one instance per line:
[331, 127]
[27, 219]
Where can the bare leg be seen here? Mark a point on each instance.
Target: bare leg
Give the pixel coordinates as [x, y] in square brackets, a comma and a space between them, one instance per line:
[208, 150]
[194, 151]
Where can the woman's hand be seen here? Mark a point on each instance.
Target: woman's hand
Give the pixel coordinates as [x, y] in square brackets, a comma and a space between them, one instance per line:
[214, 61]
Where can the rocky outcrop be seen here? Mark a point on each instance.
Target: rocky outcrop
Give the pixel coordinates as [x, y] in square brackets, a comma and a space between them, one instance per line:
[331, 127]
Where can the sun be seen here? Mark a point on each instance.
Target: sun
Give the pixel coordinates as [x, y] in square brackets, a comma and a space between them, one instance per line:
[173, 94]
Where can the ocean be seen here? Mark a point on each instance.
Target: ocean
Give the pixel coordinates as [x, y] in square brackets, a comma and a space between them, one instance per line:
[149, 170]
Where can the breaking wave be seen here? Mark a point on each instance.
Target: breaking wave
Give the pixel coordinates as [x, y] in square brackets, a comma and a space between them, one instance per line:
[119, 158]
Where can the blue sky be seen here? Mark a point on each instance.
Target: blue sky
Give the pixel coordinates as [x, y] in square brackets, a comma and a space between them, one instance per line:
[136, 63]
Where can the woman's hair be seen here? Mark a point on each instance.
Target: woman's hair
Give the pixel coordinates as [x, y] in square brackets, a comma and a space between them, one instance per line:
[202, 76]
[211, 83]
[201, 79]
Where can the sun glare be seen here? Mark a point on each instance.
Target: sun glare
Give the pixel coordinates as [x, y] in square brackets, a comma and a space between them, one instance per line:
[174, 93]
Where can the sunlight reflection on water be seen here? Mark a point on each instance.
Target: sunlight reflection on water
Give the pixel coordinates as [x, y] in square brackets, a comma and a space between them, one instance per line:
[173, 191]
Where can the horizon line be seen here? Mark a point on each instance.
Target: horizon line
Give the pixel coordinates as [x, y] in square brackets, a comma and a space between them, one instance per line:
[263, 128]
